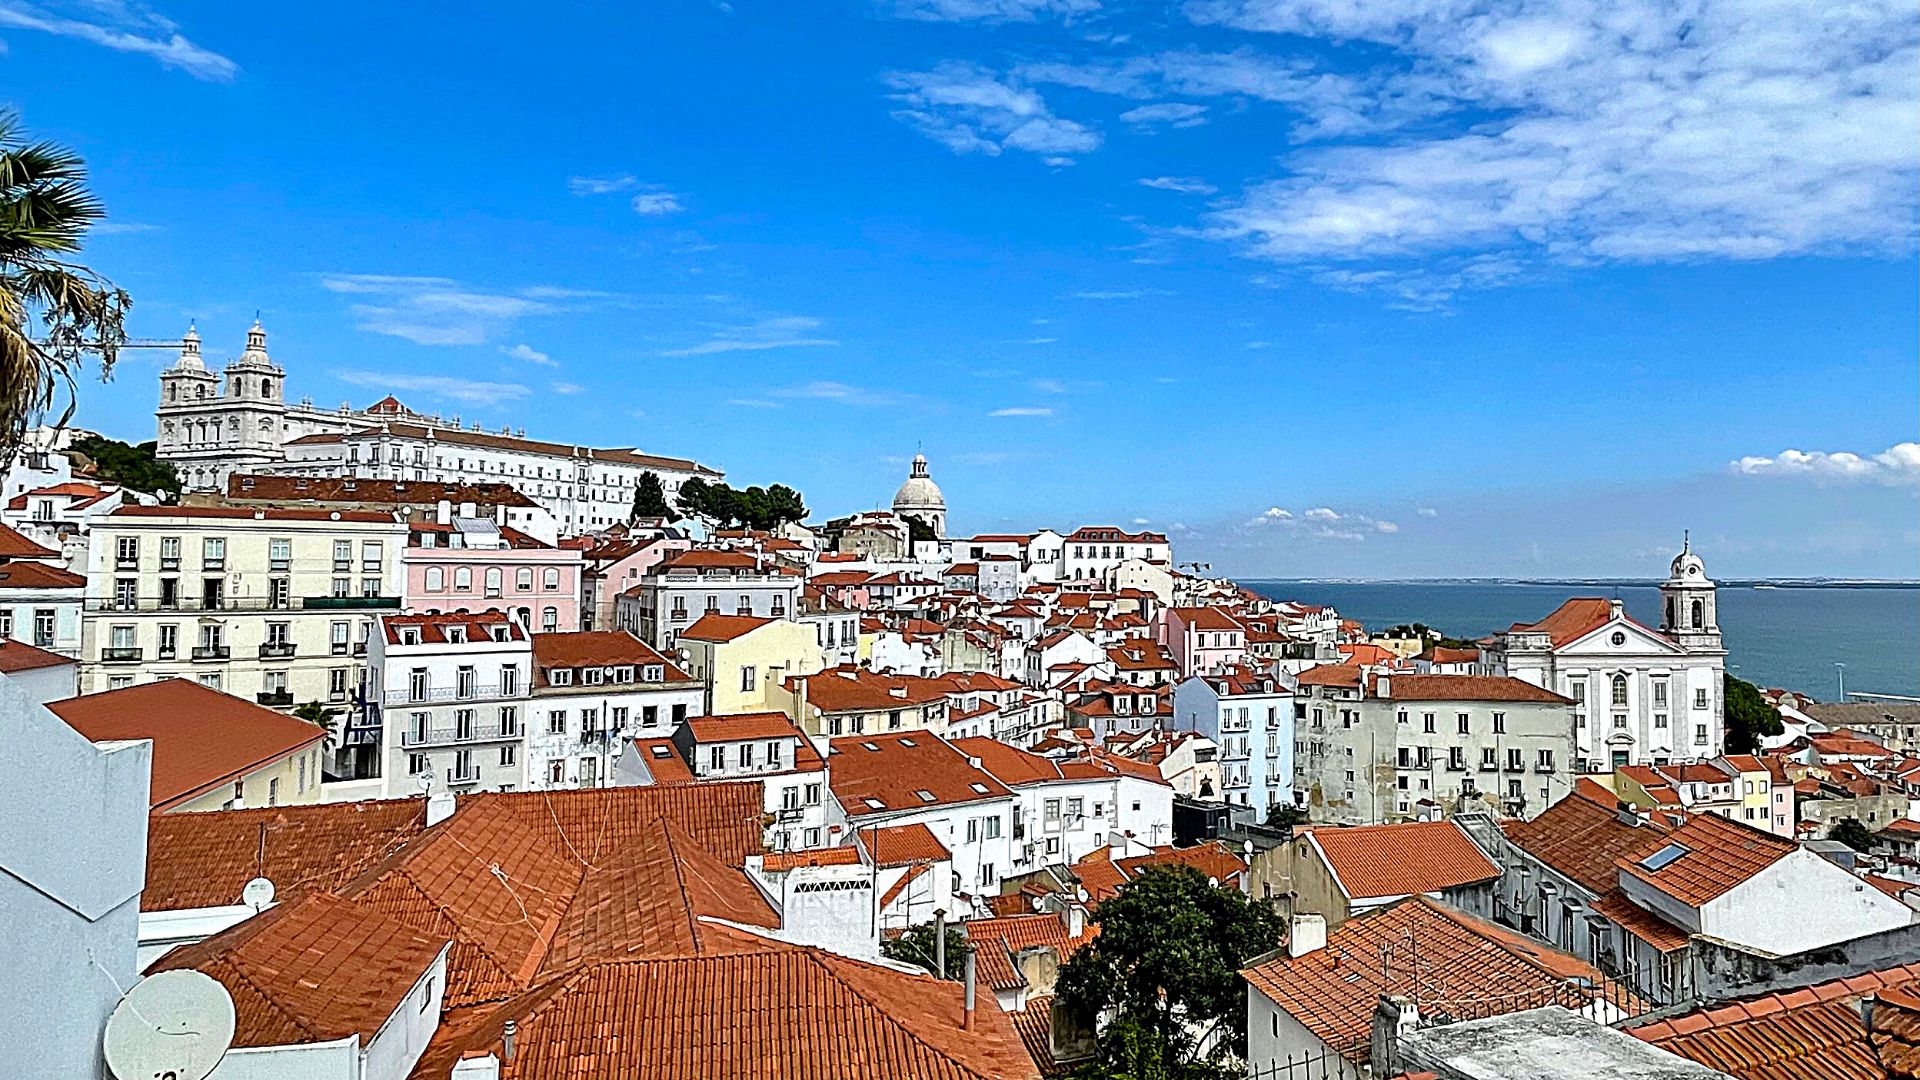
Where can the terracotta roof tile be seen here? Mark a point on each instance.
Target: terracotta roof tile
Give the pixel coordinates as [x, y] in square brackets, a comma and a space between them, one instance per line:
[742, 726]
[1583, 837]
[600, 648]
[202, 738]
[1401, 859]
[1469, 688]
[903, 844]
[15, 546]
[716, 627]
[204, 860]
[997, 941]
[36, 575]
[1717, 854]
[20, 656]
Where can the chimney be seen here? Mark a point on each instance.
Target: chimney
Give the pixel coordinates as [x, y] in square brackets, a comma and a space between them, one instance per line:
[940, 941]
[1076, 919]
[1614, 608]
[1382, 686]
[506, 1041]
[1394, 1017]
[1308, 934]
[468, 509]
[439, 807]
[443, 513]
[476, 1065]
[966, 1021]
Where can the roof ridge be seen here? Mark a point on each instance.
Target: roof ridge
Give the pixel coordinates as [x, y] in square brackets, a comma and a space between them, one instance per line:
[887, 1016]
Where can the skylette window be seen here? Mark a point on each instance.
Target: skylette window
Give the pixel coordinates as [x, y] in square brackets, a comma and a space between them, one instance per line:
[979, 788]
[925, 795]
[1662, 858]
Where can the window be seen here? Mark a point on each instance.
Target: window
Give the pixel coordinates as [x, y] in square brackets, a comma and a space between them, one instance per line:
[342, 556]
[523, 579]
[337, 683]
[813, 794]
[463, 579]
[417, 764]
[1700, 698]
[1488, 761]
[337, 639]
[372, 554]
[549, 620]
[1466, 726]
[1426, 722]
[557, 722]
[436, 579]
[649, 716]
[126, 552]
[493, 580]
[1545, 761]
[1499, 723]
[508, 755]
[550, 578]
[280, 554]
[1619, 698]
[1659, 693]
[717, 757]
[169, 641]
[509, 681]
[169, 553]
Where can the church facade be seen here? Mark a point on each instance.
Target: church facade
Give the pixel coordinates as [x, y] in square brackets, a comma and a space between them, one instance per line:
[1642, 696]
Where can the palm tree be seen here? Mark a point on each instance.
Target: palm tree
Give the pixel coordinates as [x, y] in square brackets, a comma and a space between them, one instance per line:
[45, 211]
[319, 715]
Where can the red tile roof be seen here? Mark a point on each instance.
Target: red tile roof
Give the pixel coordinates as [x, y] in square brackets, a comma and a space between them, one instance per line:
[849, 689]
[35, 575]
[1641, 923]
[1802, 1034]
[15, 546]
[204, 860]
[903, 844]
[479, 626]
[1469, 688]
[708, 559]
[314, 970]
[714, 627]
[881, 773]
[20, 656]
[600, 648]
[1401, 860]
[1205, 618]
[997, 941]
[1342, 675]
[743, 726]
[1582, 837]
[1576, 619]
[202, 739]
[257, 513]
[390, 492]
[663, 761]
[776, 862]
[1463, 966]
[1717, 855]
[762, 1008]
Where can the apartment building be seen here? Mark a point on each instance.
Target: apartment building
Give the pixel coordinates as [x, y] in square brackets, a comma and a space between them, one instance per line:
[448, 694]
[1066, 810]
[1250, 717]
[762, 748]
[853, 701]
[742, 660]
[592, 692]
[40, 599]
[706, 582]
[462, 563]
[271, 604]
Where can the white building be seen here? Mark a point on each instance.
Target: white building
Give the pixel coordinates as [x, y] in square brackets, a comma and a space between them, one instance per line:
[40, 599]
[1641, 696]
[1069, 809]
[921, 498]
[593, 692]
[451, 694]
[706, 582]
[1251, 719]
[763, 748]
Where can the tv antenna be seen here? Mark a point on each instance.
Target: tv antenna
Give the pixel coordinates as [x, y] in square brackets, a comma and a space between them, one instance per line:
[175, 1024]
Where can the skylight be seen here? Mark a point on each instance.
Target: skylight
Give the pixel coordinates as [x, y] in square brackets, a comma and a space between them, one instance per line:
[925, 795]
[1662, 858]
[979, 788]
[870, 746]
[874, 804]
[906, 742]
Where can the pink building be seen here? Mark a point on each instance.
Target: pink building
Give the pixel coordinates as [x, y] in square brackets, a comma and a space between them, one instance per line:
[1203, 640]
[617, 564]
[474, 565]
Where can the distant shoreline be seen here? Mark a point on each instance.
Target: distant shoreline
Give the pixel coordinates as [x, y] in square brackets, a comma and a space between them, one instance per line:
[1777, 583]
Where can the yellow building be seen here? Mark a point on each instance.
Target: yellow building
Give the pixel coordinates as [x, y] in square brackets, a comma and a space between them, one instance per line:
[211, 751]
[743, 659]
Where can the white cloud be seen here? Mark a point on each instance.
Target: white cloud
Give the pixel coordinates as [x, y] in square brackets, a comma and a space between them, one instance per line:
[970, 110]
[123, 228]
[567, 388]
[1259, 344]
[1022, 410]
[777, 332]
[1322, 513]
[530, 354]
[602, 185]
[1117, 294]
[1185, 185]
[1427, 512]
[1638, 131]
[1176, 114]
[753, 403]
[123, 26]
[1141, 521]
[1386, 527]
[657, 203]
[466, 391]
[991, 10]
[823, 390]
[1275, 513]
[442, 311]
[1898, 464]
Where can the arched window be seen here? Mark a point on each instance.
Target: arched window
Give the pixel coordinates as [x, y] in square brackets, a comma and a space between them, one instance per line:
[549, 620]
[1670, 613]
[436, 579]
[1699, 614]
[550, 578]
[173, 393]
[1620, 691]
[463, 579]
[523, 616]
[494, 578]
[523, 579]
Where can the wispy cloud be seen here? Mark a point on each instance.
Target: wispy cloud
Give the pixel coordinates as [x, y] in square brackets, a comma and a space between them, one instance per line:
[778, 332]
[122, 228]
[602, 185]
[990, 10]
[1171, 114]
[1118, 294]
[753, 403]
[123, 26]
[1185, 185]
[465, 391]
[567, 388]
[657, 203]
[970, 110]
[442, 311]
[1022, 410]
[842, 393]
[1898, 464]
[1320, 523]
[1427, 512]
[530, 354]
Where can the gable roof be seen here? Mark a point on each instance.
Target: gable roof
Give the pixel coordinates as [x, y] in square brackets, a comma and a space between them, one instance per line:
[996, 941]
[1469, 688]
[1716, 855]
[1583, 838]
[13, 545]
[1579, 617]
[20, 656]
[314, 970]
[900, 845]
[1401, 860]
[879, 773]
[202, 738]
[204, 860]
[1464, 967]
[37, 575]
[600, 648]
[722, 628]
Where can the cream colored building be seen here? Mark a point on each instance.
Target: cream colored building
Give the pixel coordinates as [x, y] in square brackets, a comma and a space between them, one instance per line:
[743, 660]
[275, 606]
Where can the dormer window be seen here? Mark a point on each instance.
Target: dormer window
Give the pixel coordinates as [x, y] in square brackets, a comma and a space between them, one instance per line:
[409, 635]
[456, 635]
[592, 676]
[559, 676]
[653, 673]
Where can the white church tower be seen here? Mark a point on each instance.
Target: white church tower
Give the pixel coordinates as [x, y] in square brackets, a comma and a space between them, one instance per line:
[209, 431]
[921, 498]
[1689, 602]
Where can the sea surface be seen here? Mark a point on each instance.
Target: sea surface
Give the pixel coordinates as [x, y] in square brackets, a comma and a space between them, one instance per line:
[1788, 636]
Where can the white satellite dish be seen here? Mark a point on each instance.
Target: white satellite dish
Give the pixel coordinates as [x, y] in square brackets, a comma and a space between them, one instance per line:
[176, 1024]
[257, 894]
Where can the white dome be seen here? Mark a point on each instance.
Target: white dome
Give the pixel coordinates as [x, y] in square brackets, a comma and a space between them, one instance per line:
[919, 492]
[1687, 565]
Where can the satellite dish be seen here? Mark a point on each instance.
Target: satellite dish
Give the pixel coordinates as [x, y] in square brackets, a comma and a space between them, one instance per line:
[257, 894]
[176, 1024]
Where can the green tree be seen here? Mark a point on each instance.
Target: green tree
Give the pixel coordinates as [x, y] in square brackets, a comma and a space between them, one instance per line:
[784, 505]
[135, 467]
[918, 530]
[915, 946]
[1748, 716]
[1852, 833]
[1286, 816]
[320, 716]
[1165, 965]
[649, 497]
[53, 311]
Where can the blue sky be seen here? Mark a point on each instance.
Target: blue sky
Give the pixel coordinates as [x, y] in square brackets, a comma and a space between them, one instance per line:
[1408, 288]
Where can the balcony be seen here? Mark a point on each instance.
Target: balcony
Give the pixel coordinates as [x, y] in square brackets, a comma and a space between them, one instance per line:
[601, 738]
[453, 734]
[212, 652]
[275, 699]
[121, 656]
[436, 695]
[240, 603]
[348, 603]
[457, 778]
[359, 648]
[276, 650]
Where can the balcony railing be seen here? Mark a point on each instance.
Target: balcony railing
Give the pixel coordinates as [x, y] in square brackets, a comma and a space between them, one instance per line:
[276, 650]
[596, 738]
[450, 734]
[121, 656]
[212, 652]
[438, 694]
[470, 776]
[241, 603]
[277, 699]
